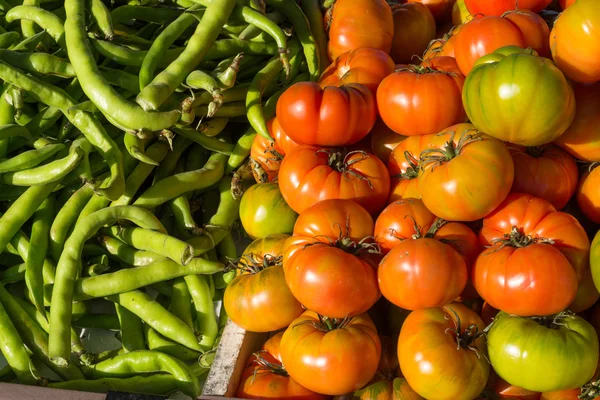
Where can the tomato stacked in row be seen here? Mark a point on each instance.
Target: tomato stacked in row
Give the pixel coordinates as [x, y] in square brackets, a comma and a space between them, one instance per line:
[419, 222]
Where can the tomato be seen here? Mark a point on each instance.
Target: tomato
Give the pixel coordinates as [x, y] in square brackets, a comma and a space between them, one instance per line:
[384, 140]
[595, 260]
[372, 27]
[443, 63]
[330, 116]
[263, 211]
[409, 101]
[500, 99]
[403, 165]
[587, 294]
[310, 174]
[578, 24]
[460, 14]
[265, 377]
[440, 9]
[534, 29]
[409, 218]
[465, 174]
[505, 390]
[546, 171]
[364, 65]
[439, 356]
[537, 218]
[329, 356]
[398, 389]
[582, 138]
[588, 196]
[414, 28]
[543, 354]
[483, 35]
[568, 394]
[283, 143]
[499, 7]
[564, 4]
[265, 160]
[258, 299]
[440, 47]
[422, 273]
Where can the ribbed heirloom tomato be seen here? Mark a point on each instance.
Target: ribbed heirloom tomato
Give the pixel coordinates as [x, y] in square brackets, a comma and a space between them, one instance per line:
[578, 24]
[534, 29]
[258, 299]
[500, 99]
[499, 7]
[359, 23]
[310, 174]
[465, 174]
[265, 377]
[365, 65]
[546, 171]
[330, 116]
[403, 165]
[409, 100]
[442, 352]
[414, 28]
[328, 356]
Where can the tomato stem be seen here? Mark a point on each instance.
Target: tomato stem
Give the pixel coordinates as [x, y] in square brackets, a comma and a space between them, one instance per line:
[517, 238]
[466, 338]
[553, 321]
[265, 365]
[412, 172]
[590, 391]
[449, 150]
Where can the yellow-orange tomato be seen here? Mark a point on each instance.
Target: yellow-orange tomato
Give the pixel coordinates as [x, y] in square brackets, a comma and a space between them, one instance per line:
[433, 363]
[403, 165]
[460, 14]
[569, 394]
[359, 23]
[588, 195]
[578, 24]
[332, 360]
[414, 28]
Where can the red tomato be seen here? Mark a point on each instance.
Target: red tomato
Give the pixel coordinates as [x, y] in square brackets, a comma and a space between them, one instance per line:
[499, 7]
[438, 355]
[283, 143]
[582, 138]
[535, 30]
[588, 195]
[384, 140]
[265, 377]
[414, 28]
[483, 35]
[364, 65]
[422, 273]
[409, 101]
[403, 165]
[539, 219]
[440, 9]
[564, 4]
[372, 26]
[331, 357]
[465, 174]
[331, 116]
[310, 174]
[265, 160]
[258, 298]
[578, 24]
[547, 172]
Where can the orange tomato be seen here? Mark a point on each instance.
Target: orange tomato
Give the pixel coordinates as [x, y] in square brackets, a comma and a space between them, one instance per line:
[588, 195]
[414, 28]
[564, 4]
[264, 159]
[534, 29]
[440, 9]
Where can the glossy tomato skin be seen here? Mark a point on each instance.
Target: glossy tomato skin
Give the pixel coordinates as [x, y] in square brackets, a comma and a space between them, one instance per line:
[384, 140]
[588, 198]
[283, 143]
[532, 356]
[453, 190]
[483, 35]
[547, 172]
[332, 282]
[507, 391]
[330, 116]
[403, 165]
[258, 382]
[372, 27]
[582, 138]
[264, 159]
[410, 103]
[365, 66]
[578, 24]
[336, 362]
[306, 178]
[534, 29]
[430, 360]
[264, 212]
[414, 28]
[499, 7]
[538, 218]
[440, 9]
[422, 273]
[492, 108]
[262, 301]
[564, 4]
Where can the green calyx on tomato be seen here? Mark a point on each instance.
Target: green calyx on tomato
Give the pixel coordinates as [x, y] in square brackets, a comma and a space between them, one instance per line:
[412, 171]
[543, 354]
[326, 324]
[274, 367]
[253, 264]
[516, 238]
[450, 149]
[339, 161]
[464, 338]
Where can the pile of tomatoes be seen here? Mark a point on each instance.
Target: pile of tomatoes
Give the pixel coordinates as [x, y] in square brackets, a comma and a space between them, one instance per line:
[425, 215]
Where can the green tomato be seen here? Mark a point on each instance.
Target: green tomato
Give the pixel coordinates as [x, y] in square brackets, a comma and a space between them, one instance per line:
[540, 355]
[517, 97]
[595, 260]
[264, 212]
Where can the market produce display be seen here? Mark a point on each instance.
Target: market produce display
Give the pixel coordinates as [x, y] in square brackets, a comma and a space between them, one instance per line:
[402, 194]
